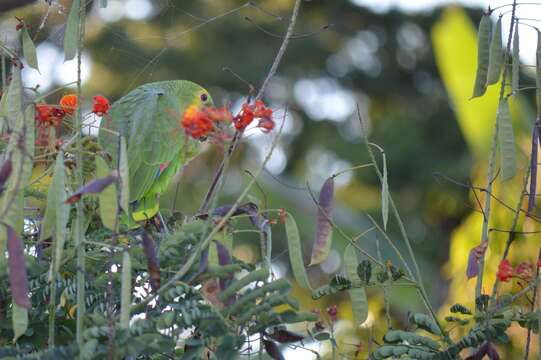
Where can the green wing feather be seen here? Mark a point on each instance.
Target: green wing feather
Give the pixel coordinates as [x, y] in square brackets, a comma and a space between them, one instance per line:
[149, 117]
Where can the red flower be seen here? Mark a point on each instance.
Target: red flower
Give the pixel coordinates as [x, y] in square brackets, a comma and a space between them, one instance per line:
[524, 270]
[539, 263]
[47, 115]
[248, 113]
[69, 103]
[100, 105]
[219, 114]
[196, 123]
[505, 271]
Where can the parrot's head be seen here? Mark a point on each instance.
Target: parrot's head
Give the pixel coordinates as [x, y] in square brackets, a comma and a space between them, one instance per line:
[194, 95]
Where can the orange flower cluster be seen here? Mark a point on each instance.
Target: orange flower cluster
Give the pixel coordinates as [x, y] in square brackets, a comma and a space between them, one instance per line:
[196, 122]
[199, 123]
[52, 115]
[48, 115]
[258, 110]
[69, 103]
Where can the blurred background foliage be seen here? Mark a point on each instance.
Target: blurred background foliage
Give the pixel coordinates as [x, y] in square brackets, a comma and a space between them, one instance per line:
[410, 73]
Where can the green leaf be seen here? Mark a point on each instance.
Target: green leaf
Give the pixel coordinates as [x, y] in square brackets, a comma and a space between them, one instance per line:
[125, 291]
[483, 56]
[425, 322]
[359, 302]
[496, 54]
[124, 175]
[71, 36]
[364, 271]
[19, 321]
[108, 197]
[384, 194]
[515, 81]
[507, 141]
[295, 252]
[29, 49]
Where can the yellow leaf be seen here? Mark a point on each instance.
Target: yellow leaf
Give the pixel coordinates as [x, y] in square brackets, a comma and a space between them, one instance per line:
[455, 47]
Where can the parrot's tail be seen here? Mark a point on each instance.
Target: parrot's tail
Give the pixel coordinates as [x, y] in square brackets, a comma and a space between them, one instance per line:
[141, 210]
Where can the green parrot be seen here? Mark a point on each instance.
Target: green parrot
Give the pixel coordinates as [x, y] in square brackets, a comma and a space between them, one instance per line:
[149, 117]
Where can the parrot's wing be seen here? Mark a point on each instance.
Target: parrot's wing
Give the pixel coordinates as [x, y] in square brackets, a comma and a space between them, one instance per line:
[149, 118]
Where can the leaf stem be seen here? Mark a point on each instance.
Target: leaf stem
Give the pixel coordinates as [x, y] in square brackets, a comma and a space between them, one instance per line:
[79, 219]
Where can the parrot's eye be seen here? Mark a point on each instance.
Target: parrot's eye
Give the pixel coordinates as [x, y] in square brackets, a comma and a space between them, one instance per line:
[204, 97]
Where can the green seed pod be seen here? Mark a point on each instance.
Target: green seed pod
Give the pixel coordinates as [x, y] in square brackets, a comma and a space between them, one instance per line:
[496, 54]
[483, 55]
[515, 80]
[507, 141]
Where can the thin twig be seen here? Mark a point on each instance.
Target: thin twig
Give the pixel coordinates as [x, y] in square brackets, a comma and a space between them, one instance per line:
[79, 219]
[211, 193]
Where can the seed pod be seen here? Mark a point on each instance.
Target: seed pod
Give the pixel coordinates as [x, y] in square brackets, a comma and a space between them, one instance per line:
[483, 55]
[515, 81]
[357, 295]
[126, 290]
[533, 167]
[295, 252]
[496, 54]
[18, 279]
[507, 141]
[323, 238]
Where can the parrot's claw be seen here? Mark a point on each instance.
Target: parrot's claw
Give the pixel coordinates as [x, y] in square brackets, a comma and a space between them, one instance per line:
[161, 226]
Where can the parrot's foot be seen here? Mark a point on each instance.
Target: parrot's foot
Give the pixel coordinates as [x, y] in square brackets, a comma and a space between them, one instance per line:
[160, 224]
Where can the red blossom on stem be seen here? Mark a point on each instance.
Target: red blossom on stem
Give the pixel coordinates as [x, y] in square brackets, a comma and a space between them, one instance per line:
[505, 271]
[100, 105]
[200, 122]
[249, 112]
[524, 270]
[49, 115]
